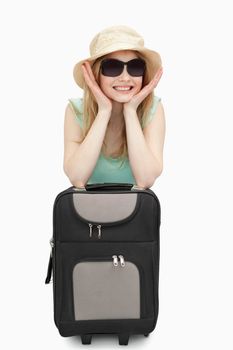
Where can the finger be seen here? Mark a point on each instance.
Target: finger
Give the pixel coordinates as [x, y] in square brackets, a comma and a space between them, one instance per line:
[89, 70]
[147, 89]
[160, 70]
[143, 93]
[86, 76]
[90, 81]
[97, 92]
[158, 74]
[84, 65]
[154, 81]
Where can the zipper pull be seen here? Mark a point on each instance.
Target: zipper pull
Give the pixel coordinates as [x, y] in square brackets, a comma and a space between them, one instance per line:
[99, 229]
[90, 225]
[122, 261]
[115, 261]
[52, 244]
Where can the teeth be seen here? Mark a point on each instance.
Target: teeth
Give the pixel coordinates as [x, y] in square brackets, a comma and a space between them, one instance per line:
[122, 88]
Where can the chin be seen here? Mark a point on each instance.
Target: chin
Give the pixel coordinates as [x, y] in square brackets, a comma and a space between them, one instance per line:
[121, 98]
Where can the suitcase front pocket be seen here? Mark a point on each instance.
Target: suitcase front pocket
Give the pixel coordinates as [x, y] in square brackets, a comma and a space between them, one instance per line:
[107, 288]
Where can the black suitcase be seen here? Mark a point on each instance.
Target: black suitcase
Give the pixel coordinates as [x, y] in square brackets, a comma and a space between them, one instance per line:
[105, 261]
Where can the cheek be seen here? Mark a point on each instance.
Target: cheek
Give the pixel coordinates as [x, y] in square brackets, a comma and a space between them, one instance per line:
[101, 84]
[106, 85]
[138, 84]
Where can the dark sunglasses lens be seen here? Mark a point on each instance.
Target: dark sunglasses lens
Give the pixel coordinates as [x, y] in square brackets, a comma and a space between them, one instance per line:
[136, 67]
[111, 68]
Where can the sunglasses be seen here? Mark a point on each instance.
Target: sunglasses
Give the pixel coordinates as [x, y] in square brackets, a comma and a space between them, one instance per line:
[112, 67]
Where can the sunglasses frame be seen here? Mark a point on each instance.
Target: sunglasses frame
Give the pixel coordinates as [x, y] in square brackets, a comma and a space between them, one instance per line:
[123, 64]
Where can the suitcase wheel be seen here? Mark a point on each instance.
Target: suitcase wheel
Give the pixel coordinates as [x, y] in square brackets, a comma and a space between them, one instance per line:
[123, 338]
[86, 338]
[146, 334]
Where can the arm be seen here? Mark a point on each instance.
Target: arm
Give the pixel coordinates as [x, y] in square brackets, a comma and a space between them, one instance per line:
[145, 147]
[80, 157]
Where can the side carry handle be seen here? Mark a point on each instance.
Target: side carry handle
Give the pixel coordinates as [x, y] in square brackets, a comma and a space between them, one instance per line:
[49, 271]
[50, 264]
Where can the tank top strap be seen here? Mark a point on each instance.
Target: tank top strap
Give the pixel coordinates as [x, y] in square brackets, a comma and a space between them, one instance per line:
[152, 110]
[77, 106]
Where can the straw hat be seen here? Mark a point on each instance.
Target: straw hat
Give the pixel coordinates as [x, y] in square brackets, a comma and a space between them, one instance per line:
[112, 39]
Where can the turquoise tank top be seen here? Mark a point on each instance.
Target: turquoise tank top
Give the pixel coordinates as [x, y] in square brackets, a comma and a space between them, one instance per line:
[109, 169]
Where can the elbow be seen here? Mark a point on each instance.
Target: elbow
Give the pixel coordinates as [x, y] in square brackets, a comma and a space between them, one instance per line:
[72, 177]
[65, 169]
[78, 183]
[158, 173]
[147, 183]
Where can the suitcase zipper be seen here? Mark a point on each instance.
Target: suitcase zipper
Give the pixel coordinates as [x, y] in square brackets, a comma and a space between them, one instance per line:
[51, 241]
[99, 231]
[90, 225]
[114, 259]
[122, 260]
[91, 230]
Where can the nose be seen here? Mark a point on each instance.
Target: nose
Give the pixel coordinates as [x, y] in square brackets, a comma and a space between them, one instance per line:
[124, 75]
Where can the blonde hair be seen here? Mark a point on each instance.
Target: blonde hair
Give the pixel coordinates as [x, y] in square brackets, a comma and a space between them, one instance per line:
[90, 106]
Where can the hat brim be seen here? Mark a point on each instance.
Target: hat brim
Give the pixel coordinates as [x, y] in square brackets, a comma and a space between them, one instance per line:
[152, 56]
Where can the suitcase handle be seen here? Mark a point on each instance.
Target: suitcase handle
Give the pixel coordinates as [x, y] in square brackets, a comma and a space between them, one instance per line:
[109, 187]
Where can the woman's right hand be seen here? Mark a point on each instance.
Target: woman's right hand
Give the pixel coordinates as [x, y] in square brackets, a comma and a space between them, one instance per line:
[104, 103]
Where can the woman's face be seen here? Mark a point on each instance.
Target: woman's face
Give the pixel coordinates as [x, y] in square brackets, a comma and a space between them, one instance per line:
[107, 84]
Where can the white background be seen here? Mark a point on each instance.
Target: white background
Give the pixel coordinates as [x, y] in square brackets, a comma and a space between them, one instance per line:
[40, 43]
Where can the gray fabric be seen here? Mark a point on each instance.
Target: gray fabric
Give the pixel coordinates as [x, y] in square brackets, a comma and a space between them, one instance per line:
[104, 207]
[102, 291]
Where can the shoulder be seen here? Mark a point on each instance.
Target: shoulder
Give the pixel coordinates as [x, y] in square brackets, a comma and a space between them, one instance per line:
[76, 104]
[155, 120]
[155, 106]
[156, 111]
[156, 102]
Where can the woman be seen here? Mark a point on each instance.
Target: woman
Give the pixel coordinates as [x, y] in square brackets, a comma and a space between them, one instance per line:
[116, 132]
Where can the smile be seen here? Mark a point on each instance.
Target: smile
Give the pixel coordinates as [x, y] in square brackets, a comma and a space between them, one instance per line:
[123, 88]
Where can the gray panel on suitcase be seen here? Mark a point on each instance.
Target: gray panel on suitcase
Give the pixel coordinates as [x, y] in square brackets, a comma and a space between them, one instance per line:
[104, 207]
[104, 291]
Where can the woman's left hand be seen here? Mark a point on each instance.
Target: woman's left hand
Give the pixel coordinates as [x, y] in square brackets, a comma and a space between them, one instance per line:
[139, 97]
